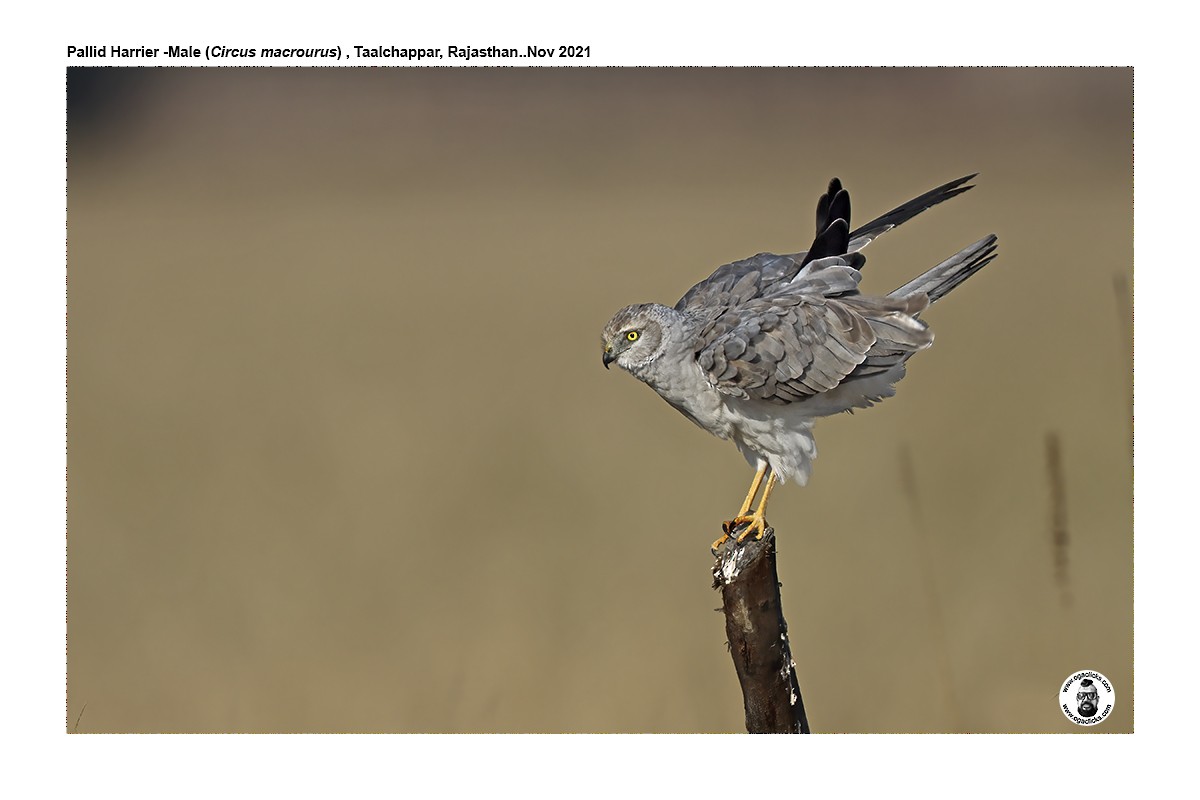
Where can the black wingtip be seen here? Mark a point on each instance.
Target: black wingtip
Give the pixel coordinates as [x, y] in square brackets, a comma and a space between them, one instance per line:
[833, 241]
[824, 202]
[833, 205]
[907, 211]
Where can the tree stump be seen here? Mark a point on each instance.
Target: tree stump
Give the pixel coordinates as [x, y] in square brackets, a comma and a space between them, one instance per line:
[748, 581]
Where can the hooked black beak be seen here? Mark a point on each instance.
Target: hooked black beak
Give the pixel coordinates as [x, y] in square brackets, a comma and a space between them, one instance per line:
[609, 356]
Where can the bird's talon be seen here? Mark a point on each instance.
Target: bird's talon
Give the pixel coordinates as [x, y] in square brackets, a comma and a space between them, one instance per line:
[757, 526]
[745, 535]
[757, 523]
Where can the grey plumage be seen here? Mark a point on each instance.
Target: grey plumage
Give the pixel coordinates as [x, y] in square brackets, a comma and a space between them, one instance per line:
[763, 346]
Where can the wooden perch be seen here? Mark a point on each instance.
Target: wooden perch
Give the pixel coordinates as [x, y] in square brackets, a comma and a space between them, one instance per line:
[758, 642]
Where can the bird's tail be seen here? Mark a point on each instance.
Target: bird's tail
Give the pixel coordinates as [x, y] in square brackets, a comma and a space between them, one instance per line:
[939, 281]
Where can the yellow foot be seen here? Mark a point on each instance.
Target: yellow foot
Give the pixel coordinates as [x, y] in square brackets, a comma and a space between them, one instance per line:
[757, 523]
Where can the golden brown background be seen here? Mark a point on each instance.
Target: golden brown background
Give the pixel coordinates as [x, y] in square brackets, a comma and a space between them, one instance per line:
[342, 455]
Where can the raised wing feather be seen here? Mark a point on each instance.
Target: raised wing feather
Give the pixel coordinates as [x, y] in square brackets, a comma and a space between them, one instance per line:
[780, 328]
[831, 239]
[863, 236]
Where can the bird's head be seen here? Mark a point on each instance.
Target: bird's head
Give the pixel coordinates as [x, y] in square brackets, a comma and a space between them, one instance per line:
[634, 336]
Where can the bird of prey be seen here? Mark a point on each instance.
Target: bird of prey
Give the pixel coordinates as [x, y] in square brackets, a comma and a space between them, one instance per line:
[764, 346]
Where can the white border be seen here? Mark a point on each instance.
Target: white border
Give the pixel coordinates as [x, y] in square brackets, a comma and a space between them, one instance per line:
[1149, 36]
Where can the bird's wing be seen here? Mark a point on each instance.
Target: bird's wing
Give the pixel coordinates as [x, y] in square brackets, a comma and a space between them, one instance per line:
[738, 281]
[833, 238]
[804, 337]
[863, 236]
[756, 275]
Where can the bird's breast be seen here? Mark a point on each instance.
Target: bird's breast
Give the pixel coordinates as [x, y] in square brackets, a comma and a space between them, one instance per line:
[687, 389]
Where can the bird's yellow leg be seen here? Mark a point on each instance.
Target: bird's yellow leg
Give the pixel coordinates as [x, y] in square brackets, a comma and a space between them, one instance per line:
[757, 520]
[741, 515]
[757, 482]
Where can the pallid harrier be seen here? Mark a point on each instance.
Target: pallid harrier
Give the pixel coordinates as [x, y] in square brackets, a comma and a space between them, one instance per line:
[761, 348]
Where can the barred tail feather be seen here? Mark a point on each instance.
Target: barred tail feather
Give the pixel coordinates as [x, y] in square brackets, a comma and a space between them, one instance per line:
[946, 276]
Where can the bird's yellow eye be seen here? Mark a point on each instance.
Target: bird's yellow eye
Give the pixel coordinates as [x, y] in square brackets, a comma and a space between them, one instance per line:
[632, 336]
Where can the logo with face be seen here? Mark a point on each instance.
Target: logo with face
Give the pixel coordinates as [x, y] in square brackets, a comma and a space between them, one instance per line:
[1087, 697]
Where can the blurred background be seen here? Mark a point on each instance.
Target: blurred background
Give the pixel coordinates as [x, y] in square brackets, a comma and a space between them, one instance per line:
[342, 455]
